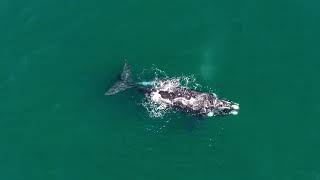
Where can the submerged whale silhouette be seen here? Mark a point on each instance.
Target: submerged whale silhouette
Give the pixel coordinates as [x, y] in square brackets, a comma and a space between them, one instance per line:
[170, 94]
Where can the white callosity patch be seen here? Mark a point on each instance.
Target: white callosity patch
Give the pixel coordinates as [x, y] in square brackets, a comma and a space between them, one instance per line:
[235, 106]
[234, 112]
[210, 114]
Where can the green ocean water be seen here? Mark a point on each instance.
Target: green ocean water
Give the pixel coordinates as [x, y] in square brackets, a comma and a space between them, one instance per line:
[57, 58]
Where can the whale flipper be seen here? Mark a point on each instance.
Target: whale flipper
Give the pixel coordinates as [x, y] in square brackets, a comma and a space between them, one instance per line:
[124, 83]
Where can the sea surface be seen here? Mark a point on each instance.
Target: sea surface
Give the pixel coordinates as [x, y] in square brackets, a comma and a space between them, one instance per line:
[57, 59]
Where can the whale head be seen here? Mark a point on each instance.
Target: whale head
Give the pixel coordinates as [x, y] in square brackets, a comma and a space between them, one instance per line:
[224, 107]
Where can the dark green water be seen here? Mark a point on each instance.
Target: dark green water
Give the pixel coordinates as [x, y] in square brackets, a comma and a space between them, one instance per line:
[57, 58]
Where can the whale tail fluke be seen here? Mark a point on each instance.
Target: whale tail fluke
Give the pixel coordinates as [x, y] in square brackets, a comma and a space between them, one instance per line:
[123, 83]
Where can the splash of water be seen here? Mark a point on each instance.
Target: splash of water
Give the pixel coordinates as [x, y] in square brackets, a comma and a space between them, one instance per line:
[154, 105]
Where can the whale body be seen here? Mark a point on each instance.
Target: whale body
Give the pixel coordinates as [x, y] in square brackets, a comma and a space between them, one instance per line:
[169, 93]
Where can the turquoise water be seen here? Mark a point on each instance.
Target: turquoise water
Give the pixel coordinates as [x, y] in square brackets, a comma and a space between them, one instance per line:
[57, 59]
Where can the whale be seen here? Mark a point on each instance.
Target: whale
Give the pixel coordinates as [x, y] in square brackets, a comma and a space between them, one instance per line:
[169, 93]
